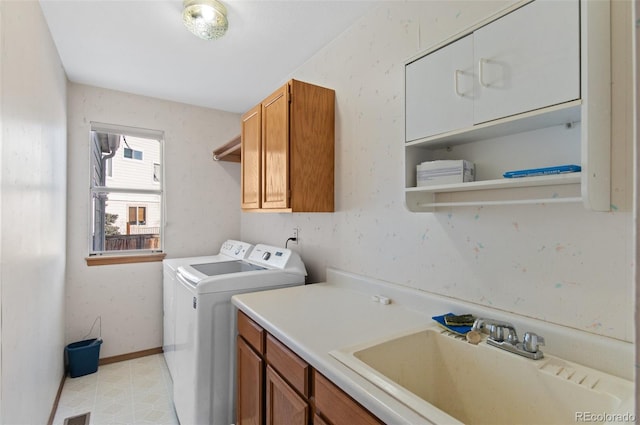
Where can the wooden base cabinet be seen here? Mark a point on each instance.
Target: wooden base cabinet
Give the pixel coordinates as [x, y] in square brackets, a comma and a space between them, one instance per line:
[276, 387]
[288, 151]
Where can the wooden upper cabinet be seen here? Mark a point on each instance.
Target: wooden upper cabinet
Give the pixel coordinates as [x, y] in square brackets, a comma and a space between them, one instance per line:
[295, 141]
[251, 158]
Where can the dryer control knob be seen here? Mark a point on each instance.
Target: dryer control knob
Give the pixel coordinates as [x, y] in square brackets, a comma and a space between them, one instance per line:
[266, 255]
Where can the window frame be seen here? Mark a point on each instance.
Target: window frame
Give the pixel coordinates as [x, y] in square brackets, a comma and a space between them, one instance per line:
[125, 256]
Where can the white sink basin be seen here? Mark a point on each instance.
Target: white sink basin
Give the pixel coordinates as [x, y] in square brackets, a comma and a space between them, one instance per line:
[449, 381]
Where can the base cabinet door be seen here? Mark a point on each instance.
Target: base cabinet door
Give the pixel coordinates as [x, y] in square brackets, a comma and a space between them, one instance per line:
[284, 405]
[250, 372]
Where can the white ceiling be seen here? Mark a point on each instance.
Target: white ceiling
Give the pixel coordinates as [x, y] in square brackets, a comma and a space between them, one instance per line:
[142, 47]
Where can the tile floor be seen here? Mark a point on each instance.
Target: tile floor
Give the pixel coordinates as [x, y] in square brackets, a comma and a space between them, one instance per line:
[133, 392]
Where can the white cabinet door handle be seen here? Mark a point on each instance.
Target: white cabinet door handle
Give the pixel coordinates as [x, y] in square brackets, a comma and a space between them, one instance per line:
[455, 83]
[481, 62]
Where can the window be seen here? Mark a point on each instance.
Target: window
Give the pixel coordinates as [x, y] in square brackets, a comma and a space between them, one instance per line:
[156, 173]
[138, 216]
[132, 153]
[126, 196]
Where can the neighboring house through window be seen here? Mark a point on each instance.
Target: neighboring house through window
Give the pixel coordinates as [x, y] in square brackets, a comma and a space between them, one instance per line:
[126, 190]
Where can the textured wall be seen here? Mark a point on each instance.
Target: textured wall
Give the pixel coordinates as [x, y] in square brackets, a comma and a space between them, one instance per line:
[559, 263]
[32, 214]
[202, 210]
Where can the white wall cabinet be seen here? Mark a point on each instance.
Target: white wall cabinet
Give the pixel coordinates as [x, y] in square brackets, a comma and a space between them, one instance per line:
[526, 89]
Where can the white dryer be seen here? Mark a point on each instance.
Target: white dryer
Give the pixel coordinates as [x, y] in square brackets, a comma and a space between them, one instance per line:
[230, 250]
[205, 354]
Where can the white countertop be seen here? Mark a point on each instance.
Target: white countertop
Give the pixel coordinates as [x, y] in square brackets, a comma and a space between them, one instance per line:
[315, 319]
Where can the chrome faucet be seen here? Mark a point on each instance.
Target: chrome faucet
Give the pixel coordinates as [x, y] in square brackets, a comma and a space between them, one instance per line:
[503, 335]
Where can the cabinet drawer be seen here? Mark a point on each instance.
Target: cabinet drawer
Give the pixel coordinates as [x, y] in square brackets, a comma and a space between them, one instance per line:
[336, 406]
[251, 332]
[292, 368]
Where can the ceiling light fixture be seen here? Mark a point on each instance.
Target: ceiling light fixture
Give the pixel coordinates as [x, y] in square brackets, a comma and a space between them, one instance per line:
[207, 19]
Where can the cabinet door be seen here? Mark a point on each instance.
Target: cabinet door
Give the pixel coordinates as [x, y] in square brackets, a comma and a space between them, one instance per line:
[284, 405]
[275, 149]
[528, 59]
[250, 374]
[439, 90]
[251, 158]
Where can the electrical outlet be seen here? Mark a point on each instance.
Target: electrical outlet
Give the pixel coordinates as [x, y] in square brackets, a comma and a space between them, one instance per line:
[295, 235]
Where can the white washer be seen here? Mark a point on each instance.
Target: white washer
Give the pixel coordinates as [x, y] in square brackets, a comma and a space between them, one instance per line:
[205, 354]
[230, 250]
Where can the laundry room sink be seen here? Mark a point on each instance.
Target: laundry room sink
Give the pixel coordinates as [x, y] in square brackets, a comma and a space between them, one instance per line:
[450, 381]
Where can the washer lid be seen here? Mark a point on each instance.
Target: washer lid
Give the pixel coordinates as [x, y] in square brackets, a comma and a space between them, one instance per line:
[215, 269]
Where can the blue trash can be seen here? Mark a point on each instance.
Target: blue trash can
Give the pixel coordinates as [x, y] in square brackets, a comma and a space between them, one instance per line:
[83, 357]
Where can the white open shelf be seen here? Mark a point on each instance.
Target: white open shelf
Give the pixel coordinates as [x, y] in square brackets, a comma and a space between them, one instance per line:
[559, 179]
[562, 188]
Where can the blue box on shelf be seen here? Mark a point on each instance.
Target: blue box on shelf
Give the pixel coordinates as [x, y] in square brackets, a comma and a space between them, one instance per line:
[545, 171]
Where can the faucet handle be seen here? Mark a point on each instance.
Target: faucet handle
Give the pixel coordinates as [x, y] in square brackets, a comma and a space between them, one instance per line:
[531, 341]
[496, 332]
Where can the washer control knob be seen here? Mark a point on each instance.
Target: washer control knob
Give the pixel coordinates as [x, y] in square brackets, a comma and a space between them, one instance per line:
[266, 255]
